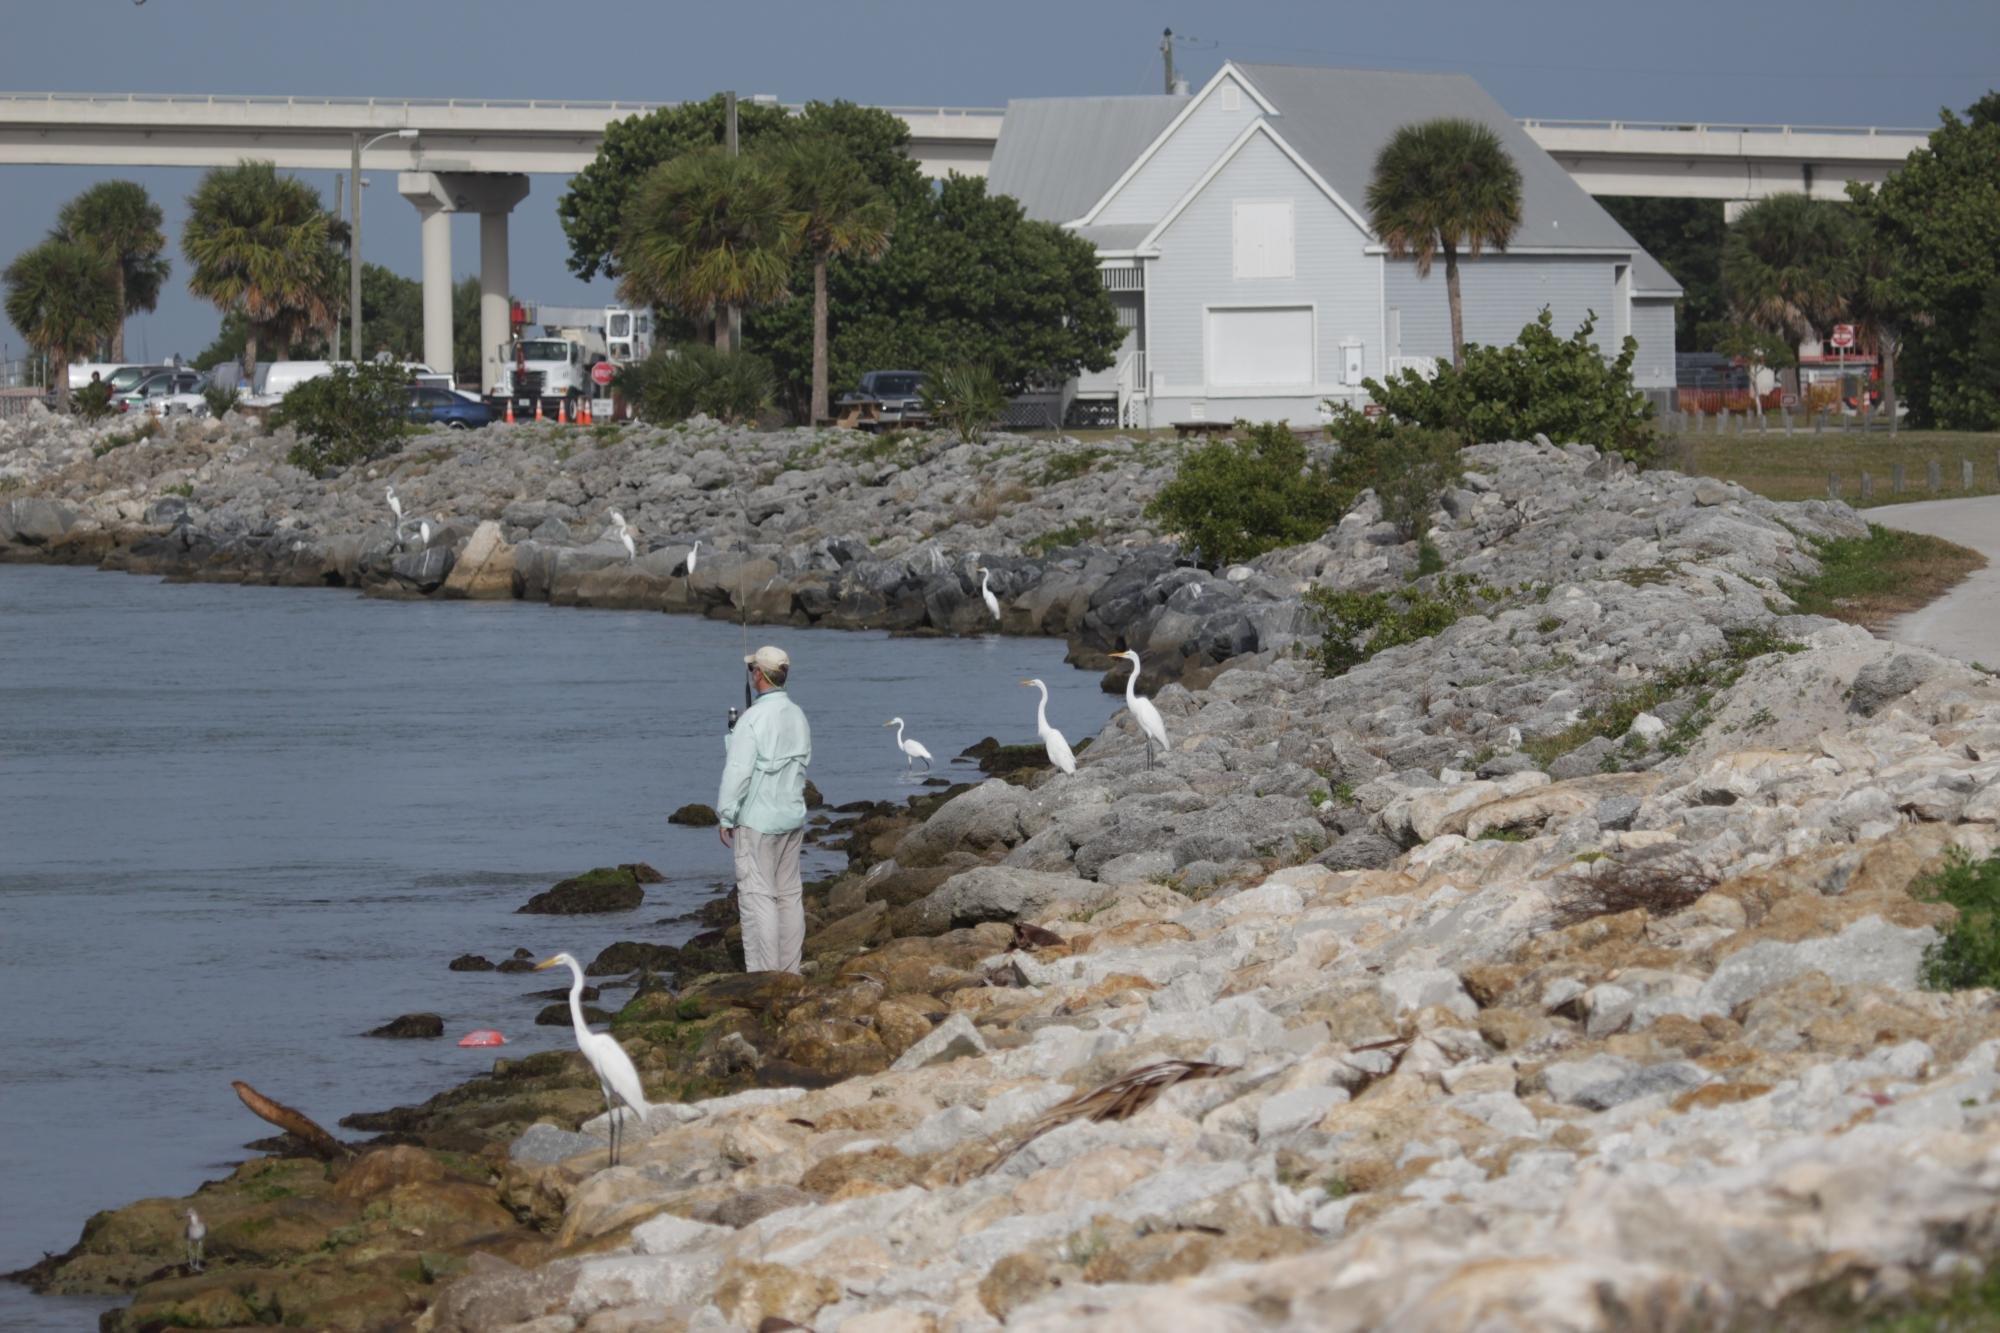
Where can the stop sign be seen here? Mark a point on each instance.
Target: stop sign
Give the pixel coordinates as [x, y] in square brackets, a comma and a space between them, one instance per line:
[1843, 335]
[601, 373]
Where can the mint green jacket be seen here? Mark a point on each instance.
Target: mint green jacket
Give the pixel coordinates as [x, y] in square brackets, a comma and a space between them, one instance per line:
[764, 782]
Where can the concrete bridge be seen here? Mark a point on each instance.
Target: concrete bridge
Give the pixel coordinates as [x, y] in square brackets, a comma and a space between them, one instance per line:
[475, 156]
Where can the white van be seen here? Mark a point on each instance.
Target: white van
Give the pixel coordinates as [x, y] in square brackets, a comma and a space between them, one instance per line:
[275, 379]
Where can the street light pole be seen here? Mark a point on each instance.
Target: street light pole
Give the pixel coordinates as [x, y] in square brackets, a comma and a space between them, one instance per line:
[354, 239]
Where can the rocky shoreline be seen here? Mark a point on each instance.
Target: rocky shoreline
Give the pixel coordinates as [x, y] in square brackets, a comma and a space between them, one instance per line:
[1557, 970]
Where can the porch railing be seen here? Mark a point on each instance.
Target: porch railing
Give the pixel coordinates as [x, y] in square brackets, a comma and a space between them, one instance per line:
[1131, 387]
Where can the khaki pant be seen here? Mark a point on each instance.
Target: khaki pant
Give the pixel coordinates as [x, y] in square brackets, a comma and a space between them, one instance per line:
[768, 899]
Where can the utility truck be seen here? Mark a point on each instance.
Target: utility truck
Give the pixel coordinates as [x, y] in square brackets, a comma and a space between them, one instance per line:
[547, 363]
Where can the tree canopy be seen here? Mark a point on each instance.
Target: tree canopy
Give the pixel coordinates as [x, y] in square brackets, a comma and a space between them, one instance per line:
[63, 297]
[1788, 265]
[707, 230]
[119, 219]
[263, 245]
[1686, 236]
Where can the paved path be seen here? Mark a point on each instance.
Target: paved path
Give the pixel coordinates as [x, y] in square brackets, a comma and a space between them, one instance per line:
[1965, 622]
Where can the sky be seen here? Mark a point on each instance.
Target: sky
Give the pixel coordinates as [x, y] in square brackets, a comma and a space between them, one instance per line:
[1827, 62]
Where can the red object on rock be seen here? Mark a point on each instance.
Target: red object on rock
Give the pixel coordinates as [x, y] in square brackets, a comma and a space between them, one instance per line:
[482, 1037]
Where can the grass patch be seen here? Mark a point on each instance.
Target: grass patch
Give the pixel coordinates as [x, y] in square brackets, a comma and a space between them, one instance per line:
[1968, 953]
[145, 430]
[1067, 465]
[1795, 467]
[1871, 580]
[1070, 534]
[1354, 626]
[184, 489]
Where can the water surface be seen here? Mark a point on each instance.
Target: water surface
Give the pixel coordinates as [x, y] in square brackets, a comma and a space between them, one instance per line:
[240, 826]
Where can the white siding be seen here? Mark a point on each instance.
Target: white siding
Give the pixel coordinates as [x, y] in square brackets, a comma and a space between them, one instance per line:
[1193, 273]
[1171, 173]
[1653, 326]
[1501, 293]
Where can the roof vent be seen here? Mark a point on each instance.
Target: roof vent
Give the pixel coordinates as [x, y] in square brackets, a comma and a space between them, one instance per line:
[1232, 97]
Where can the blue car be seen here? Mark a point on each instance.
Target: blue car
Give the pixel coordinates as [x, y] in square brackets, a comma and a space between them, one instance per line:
[442, 407]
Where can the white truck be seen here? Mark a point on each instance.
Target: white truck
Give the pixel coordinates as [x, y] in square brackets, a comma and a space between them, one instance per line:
[552, 367]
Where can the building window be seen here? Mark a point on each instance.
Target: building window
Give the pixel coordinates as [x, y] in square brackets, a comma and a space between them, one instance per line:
[1262, 231]
[1268, 347]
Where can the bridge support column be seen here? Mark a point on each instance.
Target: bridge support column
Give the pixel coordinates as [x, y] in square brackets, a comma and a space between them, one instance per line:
[1732, 209]
[437, 195]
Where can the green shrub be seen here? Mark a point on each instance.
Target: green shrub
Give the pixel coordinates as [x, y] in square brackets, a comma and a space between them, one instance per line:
[147, 428]
[1056, 539]
[1968, 954]
[1236, 499]
[93, 401]
[354, 415]
[221, 399]
[1354, 626]
[1564, 389]
[676, 383]
[1067, 465]
[965, 399]
[1430, 560]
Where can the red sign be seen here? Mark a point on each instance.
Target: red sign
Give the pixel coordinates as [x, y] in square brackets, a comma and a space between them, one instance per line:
[1843, 335]
[601, 373]
[1371, 409]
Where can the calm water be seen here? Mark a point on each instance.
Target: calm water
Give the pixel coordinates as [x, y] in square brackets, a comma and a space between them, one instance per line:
[239, 826]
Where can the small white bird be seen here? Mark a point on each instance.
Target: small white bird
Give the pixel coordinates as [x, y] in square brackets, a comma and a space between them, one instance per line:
[424, 533]
[1151, 725]
[624, 535]
[693, 551]
[196, 1233]
[985, 592]
[1052, 740]
[616, 1077]
[911, 749]
[395, 507]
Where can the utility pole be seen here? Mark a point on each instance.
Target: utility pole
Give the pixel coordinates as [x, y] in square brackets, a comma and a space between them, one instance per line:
[354, 258]
[339, 179]
[732, 315]
[1167, 50]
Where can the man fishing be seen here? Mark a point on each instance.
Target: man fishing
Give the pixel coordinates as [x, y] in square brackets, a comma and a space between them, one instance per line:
[762, 811]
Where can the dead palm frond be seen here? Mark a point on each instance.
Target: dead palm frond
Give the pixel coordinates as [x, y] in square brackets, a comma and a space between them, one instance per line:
[1120, 1099]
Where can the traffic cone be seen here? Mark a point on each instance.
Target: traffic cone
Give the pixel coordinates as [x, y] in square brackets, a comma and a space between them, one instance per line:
[538, 407]
[562, 411]
[510, 409]
[585, 419]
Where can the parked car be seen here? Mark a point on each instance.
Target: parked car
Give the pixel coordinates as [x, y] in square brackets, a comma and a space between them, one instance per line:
[443, 407]
[884, 398]
[81, 371]
[126, 378]
[167, 392]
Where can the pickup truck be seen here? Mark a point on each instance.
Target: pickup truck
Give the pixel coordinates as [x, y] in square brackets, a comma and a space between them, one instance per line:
[884, 399]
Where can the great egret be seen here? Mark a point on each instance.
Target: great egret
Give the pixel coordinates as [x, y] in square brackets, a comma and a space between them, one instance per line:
[1052, 740]
[615, 1075]
[624, 535]
[196, 1233]
[1151, 725]
[911, 749]
[693, 551]
[396, 508]
[424, 533]
[992, 602]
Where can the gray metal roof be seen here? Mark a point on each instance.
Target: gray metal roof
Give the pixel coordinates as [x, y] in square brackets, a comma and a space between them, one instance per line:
[1058, 155]
[1340, 119]
[1650, 276]
[1116, 235]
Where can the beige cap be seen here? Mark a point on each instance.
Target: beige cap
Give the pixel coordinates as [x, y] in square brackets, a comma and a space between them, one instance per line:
[768, 659]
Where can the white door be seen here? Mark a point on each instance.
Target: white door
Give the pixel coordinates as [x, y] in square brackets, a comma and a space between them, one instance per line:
[1261, 348]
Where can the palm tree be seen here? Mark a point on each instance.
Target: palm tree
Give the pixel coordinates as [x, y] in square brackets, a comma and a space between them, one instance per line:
[262, 244]
[120, 219]
[1439, 185]
[63, 298]
[706, 230]
[838, 213]
[1788, 265]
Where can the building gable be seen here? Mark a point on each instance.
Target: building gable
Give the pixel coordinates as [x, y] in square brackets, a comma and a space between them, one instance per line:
[1184, 150]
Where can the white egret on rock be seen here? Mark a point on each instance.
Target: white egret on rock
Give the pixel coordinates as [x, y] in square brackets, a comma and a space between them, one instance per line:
[911, 749]
[624, 535]
[396, 508]
[196, 1233]
[1151, 725]
[424, 533]
[693, 551]
[616, 1077]
[985, 592]
[1052, 740]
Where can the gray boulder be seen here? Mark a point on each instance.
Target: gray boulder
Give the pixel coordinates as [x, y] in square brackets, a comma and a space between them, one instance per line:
[1003, 893]
[985, 819]
[1891, 678]
[33, 521]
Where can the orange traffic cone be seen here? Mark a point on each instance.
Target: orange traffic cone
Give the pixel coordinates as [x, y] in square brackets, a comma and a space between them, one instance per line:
[583, 410]
[562, 412]
[510, 409]
[538, 407]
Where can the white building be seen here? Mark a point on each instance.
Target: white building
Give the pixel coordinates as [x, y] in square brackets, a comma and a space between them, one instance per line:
[1231, 234]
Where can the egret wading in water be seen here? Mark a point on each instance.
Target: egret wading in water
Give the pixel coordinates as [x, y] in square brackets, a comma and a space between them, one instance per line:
[196, 1232]
[1052, 740]
[911, 749]
[986, 594]
[624, 535]
[616, 1077]
[1151, 725]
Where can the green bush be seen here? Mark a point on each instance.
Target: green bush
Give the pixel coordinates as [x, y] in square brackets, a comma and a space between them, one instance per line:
[965, 399]
[93, 401]
[1968, 955]
[1354, 626]
[1408, 467]
[354, 415]
[676, 383]
[1236, 499]
[221, 399]
[1563, 389]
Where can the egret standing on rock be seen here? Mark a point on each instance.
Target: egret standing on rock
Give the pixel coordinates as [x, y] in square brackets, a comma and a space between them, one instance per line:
[616, 1078]
[624, 535]
[1151, 725]
[424, 533]
[1052, 740]
[196, 1233]
[911, 749]
[396, 508]
[985, 592]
